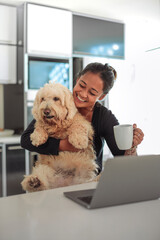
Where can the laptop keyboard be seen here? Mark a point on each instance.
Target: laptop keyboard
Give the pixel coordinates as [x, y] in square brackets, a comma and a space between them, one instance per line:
[86, 199]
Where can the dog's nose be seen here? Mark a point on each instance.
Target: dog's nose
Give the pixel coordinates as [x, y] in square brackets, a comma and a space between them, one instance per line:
[46, 111]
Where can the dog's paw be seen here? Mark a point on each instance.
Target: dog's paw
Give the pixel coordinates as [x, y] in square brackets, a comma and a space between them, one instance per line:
[96, 179]
[32, 183]
[38, 138]
[80, 142]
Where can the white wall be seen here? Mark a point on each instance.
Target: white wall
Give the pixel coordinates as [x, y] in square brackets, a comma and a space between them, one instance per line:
[135, 97]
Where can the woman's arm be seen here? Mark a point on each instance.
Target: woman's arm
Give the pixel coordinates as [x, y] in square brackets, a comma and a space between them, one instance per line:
[50, 147]
[64, 145]
[108, 121]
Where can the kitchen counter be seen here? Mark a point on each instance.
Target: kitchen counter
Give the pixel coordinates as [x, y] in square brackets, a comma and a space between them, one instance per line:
[50, 215]
[10, 139]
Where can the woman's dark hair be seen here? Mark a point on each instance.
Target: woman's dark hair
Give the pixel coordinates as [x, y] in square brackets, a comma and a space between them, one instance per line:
[107, 73]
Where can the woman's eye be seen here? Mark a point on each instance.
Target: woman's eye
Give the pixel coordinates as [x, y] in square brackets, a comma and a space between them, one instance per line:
[81, 86]
[92, 94]
[55, 98]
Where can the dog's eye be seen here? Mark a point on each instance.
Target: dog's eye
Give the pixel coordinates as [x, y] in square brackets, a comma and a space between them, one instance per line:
[55, 98]
[42, 99]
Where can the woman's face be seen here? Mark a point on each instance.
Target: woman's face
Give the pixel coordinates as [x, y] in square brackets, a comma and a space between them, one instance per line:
[88, 89]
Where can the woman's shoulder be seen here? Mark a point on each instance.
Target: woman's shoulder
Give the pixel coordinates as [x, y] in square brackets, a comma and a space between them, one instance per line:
[104, 115]
[103, 110]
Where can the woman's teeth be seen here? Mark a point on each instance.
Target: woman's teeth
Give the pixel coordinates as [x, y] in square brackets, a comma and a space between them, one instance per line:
[80, 99]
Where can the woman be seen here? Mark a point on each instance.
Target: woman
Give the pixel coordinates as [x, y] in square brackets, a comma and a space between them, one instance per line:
[92, 84]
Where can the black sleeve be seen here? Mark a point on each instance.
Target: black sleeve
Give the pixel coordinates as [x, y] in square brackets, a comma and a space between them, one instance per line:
[108, 120]
[51, 147]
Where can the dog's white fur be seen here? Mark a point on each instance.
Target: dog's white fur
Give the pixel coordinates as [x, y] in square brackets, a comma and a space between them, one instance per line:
[57, 116]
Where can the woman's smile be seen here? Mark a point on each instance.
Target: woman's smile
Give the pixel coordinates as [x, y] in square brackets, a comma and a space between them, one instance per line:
[87, 90]
[80, 98]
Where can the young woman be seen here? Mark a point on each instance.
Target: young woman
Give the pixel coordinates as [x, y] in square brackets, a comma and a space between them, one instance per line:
[92, 84]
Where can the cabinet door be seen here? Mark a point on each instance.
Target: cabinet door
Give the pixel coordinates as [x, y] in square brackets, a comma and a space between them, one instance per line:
[8, 25]
[15, 167]
[49, 30]
[8, 64]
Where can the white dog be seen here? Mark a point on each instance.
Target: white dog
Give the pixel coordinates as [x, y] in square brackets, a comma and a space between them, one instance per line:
[56, 116]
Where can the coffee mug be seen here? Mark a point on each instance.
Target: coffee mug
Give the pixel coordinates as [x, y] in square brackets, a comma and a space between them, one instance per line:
[123, 136]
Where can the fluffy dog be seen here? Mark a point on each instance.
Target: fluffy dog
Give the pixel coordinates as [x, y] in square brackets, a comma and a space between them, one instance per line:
[57, 116]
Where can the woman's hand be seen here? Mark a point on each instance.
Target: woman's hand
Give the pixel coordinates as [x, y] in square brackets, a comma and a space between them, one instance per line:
[138, 136]
[66, 146]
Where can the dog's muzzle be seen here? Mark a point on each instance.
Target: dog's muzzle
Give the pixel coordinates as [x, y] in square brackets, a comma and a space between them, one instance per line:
[46, 113]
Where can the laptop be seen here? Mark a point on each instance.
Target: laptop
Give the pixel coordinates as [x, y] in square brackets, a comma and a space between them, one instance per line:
[125, 179]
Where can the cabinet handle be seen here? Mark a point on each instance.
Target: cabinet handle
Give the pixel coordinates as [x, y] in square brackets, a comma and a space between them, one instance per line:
[14, 147]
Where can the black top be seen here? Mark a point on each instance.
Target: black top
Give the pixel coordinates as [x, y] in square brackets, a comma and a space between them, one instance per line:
[102, 121]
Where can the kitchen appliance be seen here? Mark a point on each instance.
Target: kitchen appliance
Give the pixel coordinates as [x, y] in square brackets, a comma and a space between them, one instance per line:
[42, 70]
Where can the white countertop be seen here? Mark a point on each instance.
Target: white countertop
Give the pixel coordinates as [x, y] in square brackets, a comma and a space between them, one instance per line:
[50, 215]
[10, 139]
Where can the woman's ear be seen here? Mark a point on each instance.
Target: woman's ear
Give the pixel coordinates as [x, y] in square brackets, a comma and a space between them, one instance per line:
[102, 97]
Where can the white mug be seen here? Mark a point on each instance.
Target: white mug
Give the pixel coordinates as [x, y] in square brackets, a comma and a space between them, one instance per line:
[123, 136]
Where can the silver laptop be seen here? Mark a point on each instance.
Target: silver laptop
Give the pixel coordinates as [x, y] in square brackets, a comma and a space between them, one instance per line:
[126, 179]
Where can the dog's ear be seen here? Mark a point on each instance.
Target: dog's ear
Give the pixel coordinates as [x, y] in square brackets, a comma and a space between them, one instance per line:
[35, 108]
[69, 103]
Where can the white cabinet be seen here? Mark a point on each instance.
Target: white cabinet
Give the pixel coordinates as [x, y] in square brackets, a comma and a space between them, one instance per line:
[8, 64]
[8, 25]
[49, 31]
[8, 38]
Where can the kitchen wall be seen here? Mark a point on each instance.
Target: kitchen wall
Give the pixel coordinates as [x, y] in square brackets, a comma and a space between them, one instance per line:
[135, 96]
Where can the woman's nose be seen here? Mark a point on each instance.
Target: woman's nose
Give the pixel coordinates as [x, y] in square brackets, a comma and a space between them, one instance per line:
[84, 93]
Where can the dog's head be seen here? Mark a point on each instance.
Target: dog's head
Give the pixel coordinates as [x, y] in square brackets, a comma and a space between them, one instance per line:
[53, 102]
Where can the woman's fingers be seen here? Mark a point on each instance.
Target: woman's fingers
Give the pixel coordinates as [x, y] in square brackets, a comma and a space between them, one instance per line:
[138, 136]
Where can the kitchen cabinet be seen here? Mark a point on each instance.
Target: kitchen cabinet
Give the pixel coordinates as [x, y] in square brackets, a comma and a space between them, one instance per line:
[8, 25]
[12, 159]
[15, 168]
[49, 30]
[8, 64]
